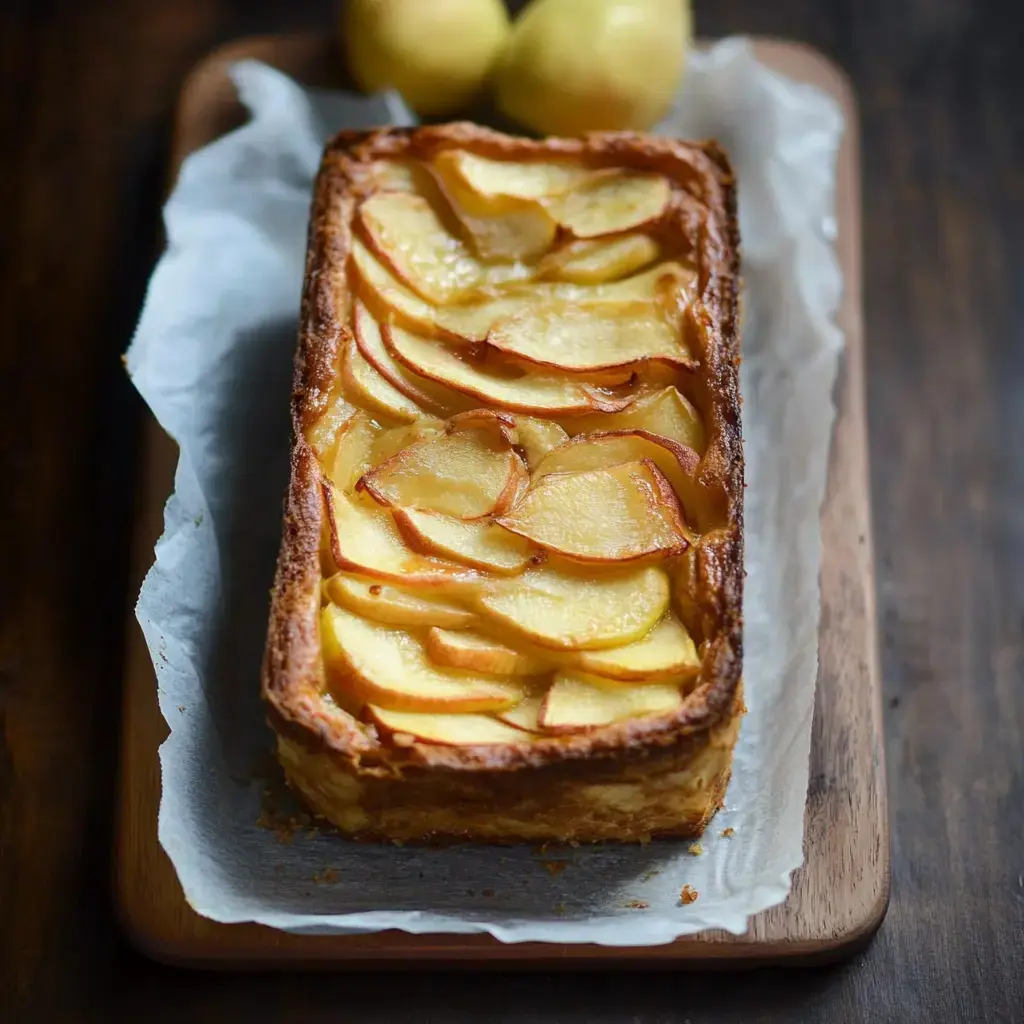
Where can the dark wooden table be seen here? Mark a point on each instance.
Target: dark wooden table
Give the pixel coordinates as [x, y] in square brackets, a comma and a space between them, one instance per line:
[86, 91]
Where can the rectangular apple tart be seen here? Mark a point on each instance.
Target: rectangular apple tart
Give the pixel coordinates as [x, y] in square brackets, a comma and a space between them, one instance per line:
[508, 599]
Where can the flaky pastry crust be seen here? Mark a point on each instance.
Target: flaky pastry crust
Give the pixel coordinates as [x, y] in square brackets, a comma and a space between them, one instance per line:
[671, 770]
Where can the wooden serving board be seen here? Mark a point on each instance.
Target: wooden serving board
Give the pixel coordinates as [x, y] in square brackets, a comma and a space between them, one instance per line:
[839, 896]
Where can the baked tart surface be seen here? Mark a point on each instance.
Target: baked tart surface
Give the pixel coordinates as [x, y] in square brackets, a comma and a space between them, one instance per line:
[508, 598]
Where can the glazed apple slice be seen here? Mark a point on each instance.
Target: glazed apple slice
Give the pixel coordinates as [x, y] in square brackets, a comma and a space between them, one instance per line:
[369, 663]
[533, 393]
[364, 539]
[427, 394]
[594, 451]
[449, 730]
[537, 437]
[667, 652]
[618, 513]
[393, 440]
[576, 703]
[465, 473]
[480, 544]
[323, 433]
[502, 226]
[599, 260]
[476, 652]
[396, 606]
[577, 339]
[522, 180]
[352, 452]
[562, 611]
[611, 202]
[525, 715]
[666, 413]
[406, 233]
[365, 386]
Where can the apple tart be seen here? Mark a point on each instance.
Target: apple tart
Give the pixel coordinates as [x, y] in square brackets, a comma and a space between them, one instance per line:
[508, 599]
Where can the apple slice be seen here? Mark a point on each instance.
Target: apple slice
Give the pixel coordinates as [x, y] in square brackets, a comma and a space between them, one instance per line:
[667, 652]
[446, 730]
[502, 227]
[353, 451]
[370, 663]
[392, 176]
[323, 433]
[578, 338]
[365, 386]
[595, 451]
[523, 180]
[465, 473]
[617, 513]
[425, 393]
[477, 652]
[611, 202]
[598, 260]
[664, 412]
[566, 612]
[395, 605]
[577, 703]
[405, 231]
[364, 539]
[525, 715]
[390, 442]
[477, 543]
[531, 394]
[537, 437]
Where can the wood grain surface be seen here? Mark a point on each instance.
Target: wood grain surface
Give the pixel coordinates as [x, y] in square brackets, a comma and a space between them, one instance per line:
[86, 94]
[839, 895]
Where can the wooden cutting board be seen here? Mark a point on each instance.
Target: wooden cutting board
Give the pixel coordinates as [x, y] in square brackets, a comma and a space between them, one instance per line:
[839, 896]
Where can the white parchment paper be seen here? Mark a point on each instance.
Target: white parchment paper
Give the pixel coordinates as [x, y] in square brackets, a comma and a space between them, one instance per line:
[212, 356]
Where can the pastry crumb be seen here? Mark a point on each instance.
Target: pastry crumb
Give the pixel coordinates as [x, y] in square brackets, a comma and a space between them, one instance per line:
[555, 867]
[687, 895]
[728, 833]
[695, 849]
[636, 905]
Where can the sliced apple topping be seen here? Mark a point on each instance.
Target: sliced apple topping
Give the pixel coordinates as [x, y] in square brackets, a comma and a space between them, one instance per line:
[571, 613]
[611, 202]
[667, 652]
[578, 703]
[405, 231]
[397, 606]
[371, 663]
[523, 180]
[322, 434]
[526, 714]
[477, 652]
[391, 441]
[501, 226]
[427, 394]
[594, 451]
[537, 437]
[579, 338]
[598, 260]
[353, 451]
[478, 543]
[664, 412]
[364, 539]
[369, 389]
[532, 393]
[615, 514]
[445, 730]
[466, 473]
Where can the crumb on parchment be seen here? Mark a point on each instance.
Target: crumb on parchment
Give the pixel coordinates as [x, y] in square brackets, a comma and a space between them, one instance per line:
[695, 849]
[687, 895]
[728, 833]
[636, 905]
[555, 867]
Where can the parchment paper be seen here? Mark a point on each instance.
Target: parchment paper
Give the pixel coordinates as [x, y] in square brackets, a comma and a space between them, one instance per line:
[212, 356]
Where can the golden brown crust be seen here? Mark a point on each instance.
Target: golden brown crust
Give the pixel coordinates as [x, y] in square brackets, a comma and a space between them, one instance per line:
[702, 218]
